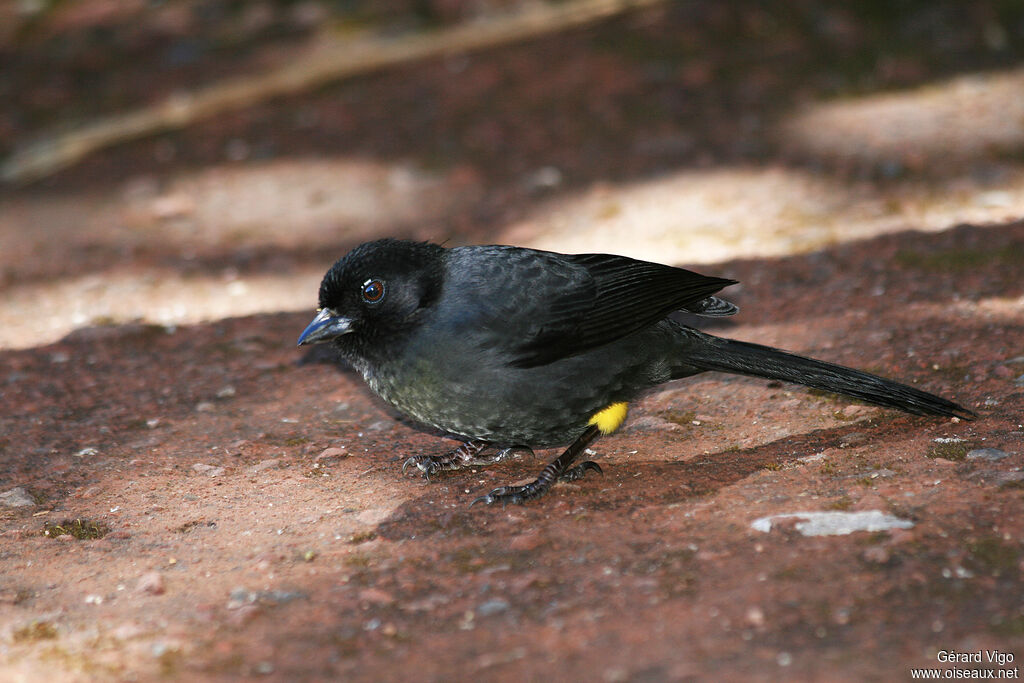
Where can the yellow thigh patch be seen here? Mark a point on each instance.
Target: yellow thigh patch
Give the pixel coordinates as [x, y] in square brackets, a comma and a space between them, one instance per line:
[609, 419]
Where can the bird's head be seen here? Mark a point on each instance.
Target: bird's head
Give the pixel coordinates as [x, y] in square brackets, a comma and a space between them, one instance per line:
[374, 294]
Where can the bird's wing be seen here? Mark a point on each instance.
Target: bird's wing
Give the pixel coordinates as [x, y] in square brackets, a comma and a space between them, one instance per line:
[560, 305]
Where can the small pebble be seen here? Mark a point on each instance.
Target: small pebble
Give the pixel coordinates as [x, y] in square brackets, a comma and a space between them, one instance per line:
[329, 453]
[208, 470]
[16, 497]
[1009, 478]
[986, 454]
[490, 607]
[263, 465]
[152, 583]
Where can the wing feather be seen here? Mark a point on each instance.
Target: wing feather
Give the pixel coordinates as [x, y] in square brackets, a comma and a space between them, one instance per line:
[621, 295]
[538, 306]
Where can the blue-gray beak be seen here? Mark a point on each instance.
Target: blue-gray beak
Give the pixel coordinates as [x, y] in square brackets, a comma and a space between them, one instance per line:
[327, 325]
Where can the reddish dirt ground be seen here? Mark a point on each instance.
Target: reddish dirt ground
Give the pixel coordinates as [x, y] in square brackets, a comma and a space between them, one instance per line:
[237, 505]
[204, 451]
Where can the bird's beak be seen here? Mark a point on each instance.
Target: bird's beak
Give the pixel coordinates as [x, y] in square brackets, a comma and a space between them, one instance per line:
[327, 325]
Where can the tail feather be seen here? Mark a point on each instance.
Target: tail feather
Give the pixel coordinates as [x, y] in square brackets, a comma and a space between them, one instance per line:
[745, 358]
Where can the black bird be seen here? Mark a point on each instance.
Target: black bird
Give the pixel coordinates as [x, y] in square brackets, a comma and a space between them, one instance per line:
[521, 348]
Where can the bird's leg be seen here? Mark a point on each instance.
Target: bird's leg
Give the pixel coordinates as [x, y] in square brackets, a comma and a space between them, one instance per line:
[457, 458]
[560, 469]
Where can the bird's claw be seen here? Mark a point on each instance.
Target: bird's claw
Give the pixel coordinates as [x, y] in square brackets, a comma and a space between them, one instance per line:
[487, 500]
[424, 463]
[581, 470]
[463, 456]
[510, 451]
[517, 495]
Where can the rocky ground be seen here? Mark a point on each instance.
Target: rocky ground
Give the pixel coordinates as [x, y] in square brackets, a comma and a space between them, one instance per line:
[184, 495]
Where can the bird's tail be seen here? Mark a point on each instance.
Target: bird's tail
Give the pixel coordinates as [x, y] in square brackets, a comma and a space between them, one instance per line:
[745, 358]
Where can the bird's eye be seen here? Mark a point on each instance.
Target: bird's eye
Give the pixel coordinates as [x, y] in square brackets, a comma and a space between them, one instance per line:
[373, 291]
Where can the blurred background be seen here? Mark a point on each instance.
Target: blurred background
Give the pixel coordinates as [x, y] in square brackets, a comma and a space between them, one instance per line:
[174, 161]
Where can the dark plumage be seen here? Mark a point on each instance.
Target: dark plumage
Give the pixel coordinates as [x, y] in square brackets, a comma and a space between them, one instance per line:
[523, 348]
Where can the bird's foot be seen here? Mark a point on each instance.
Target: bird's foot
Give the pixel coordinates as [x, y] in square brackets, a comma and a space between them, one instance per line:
[559, 469]
[581, 470]
[457, 458]
[535, 489]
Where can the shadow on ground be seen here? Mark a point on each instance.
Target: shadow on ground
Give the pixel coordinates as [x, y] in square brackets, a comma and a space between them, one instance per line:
[239, 543]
